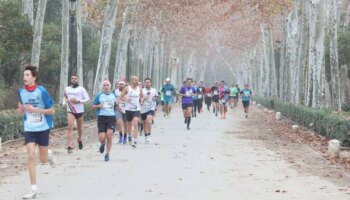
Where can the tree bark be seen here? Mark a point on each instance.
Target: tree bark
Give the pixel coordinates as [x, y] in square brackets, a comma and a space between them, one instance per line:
[105, 45]
[64, 49]
[38, 31]
[80, 72]
[27, 10]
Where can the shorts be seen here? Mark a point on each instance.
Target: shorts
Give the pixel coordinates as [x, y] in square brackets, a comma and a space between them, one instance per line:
[245, 104]
[233, 97]
[130, 115]
[185, 106]
[105, 122]
[38, 137]
[215, 99]
[168, 101]
[222, 101]
[144, 115]
[120, 115]
[77, 115]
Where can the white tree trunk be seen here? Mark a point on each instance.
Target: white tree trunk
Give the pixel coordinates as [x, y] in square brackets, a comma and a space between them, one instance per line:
[266, 62]
[38, 30]
[316, 87]
[64, 48]
[105, 45]
[79, 44]
[27, 10]
[122, 50]
[334, 59]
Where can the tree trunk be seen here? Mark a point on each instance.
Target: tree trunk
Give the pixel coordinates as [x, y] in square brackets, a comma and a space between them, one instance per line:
[64, 49]
[122, 50]
[334, 59]
[27, 10]
[105, 45]
[79, 44]
[38, 31]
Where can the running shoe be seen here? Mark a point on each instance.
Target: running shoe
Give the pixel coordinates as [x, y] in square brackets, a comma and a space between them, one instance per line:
[102, 148]
[188, 127]
[124, 140]
[31, 195]
[51, 158]
[80, 144]
[134, 145]
[186, 120]
[70, 150]
[107, 157]
[120, 139]
[129, 139]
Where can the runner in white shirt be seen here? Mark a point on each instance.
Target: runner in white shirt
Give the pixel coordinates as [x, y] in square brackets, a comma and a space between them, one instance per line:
[132, 95]
[75, 97]
[150, 96]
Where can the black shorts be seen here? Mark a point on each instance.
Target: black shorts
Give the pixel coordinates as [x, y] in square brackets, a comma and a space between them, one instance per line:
[162, 103]
[185, 106]
[77, 115]
[245, 104]
[144, 115]
[39, 137]
[105, 122]
[215, 99]
[130, 115]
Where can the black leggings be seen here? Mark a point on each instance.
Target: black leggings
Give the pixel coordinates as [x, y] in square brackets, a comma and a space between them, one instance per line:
[207, 101]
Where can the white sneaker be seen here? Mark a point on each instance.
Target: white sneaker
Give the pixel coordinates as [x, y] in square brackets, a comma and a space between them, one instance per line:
[51, 158]
[31, 195]
[148, 139]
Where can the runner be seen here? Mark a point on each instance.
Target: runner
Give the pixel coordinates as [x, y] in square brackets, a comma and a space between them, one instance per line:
[195, 101]
[105, 104]
[200, 95]
[223, 99]
[75, 96]
[140, 124]
[234, 93]
[36, 105]
[246, 95]
[132, 95]
[187, 102]
[121, 109]
[207, 96]
[168, 91]
[215, 98]
[148, 108]
[119, 115]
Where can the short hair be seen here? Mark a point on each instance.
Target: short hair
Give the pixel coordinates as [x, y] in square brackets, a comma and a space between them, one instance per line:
[148, 79]
[75, 75]
[189, 79]
[33, 70]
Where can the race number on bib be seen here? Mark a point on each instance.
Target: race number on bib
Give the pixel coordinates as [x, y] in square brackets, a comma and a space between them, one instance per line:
[200, 96]
[168, 93]
[216, 92]
[189, 93]
[108, 105]
[35, 118]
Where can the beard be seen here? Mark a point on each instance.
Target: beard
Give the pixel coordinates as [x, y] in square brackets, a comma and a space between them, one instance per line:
[75, 85]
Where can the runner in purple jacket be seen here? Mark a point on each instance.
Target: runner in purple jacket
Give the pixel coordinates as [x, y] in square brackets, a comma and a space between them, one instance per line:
[187, 91]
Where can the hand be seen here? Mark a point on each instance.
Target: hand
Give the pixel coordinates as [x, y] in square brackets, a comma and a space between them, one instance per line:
[20, 110]
[30, 109]
[74, 100]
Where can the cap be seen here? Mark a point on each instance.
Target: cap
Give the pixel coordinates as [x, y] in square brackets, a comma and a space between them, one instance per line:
[167, 79]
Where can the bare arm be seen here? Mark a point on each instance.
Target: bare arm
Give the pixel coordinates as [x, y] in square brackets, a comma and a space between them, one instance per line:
[122, 95]
[45, 111]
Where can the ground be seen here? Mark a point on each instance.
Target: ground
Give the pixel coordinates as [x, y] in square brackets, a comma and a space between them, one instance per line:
[236, 158]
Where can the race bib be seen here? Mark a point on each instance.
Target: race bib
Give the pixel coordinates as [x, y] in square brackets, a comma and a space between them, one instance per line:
[122, 105]
[216, 92]
[189, 93]
[209, 95]
[108, 105]
[200, 96]
[168, 93]
[35, 118]
[222, 100]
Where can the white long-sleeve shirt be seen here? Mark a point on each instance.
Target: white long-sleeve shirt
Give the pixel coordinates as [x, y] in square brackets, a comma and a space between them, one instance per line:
[78, 93]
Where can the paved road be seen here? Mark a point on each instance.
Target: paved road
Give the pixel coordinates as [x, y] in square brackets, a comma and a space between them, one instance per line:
[211, 161]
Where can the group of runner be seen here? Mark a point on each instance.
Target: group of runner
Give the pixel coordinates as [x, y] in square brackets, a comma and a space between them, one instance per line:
[122, 108]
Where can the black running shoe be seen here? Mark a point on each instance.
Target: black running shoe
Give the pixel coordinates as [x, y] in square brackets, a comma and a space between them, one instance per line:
[186, 120]
[102, 148]
[80, 144]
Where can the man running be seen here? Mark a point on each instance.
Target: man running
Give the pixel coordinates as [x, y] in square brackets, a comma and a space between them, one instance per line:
[119, 115]
[207, 96]
[200, 96]
[36, 105]
[75, 96]
[246, 94]
[215, 98]
[187, 102]
[150, 96]
[105, 104]
[168, 92]
[195, 100]
[132, 95]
